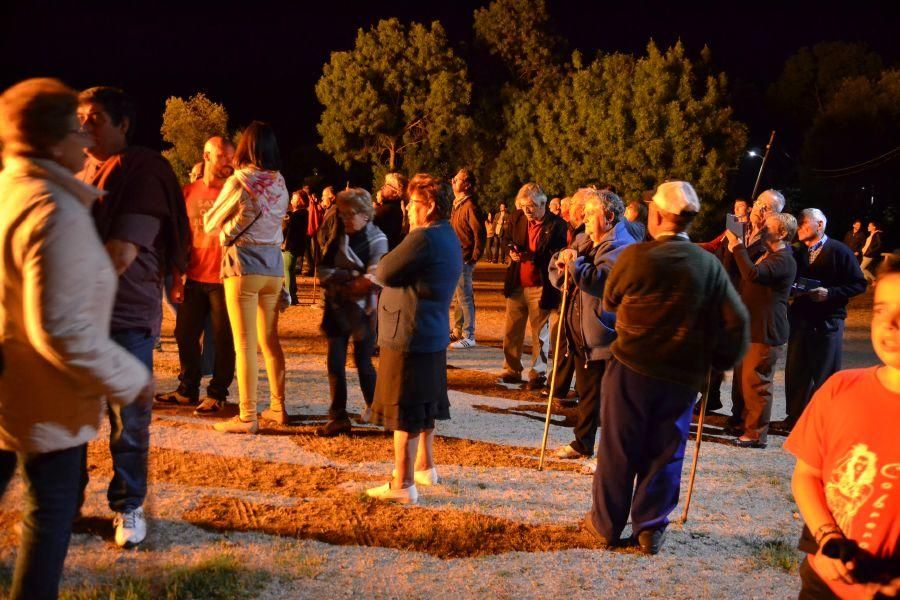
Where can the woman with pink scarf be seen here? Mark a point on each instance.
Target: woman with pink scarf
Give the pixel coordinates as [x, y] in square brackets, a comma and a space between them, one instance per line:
[248, 214]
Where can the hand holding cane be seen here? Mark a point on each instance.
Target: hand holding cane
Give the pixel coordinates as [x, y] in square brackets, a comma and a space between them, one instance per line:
[703, 400]
[559, 332]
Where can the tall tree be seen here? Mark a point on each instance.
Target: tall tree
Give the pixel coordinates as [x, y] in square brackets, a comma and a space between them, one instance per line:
[187, 124]
[398, 99]
[633, 122]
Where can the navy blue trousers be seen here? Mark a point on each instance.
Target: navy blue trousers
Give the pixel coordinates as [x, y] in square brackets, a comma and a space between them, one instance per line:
[646, 422]
[813, 355]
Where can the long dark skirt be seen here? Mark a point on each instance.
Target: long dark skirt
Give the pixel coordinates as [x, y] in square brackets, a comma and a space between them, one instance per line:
[411, 391]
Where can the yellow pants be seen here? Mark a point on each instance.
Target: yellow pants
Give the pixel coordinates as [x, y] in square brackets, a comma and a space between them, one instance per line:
[252, 302]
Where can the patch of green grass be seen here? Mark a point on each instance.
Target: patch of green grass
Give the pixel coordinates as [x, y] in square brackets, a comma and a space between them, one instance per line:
[219, 578]
[778, 554]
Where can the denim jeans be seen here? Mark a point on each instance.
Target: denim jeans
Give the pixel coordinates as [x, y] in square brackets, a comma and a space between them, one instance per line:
[129, 434]
[337, 372]
[204, 303]
[464, 301]
[52, 481]
[208, 357]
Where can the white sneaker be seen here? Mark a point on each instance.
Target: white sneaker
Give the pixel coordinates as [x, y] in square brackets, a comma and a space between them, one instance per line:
[463, 343]
[402, 496]
[131, 528]
[427, 477]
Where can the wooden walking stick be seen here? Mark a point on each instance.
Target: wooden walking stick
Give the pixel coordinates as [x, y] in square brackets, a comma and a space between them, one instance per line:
[560, 327]
[703, 400]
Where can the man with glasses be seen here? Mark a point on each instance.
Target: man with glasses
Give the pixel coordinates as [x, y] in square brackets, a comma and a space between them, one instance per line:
[143, 223]
[534, 236]
[468, 223]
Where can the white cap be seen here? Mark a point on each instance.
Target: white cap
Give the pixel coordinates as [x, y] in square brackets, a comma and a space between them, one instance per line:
[676, 197]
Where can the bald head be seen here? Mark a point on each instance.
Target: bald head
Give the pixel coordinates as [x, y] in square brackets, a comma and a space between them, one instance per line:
[218, 153]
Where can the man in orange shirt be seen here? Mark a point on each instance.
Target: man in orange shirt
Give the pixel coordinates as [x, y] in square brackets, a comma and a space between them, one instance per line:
[201, 293]
[847, 479]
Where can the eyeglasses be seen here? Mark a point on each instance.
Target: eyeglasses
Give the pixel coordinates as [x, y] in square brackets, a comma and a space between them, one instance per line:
[347, 214]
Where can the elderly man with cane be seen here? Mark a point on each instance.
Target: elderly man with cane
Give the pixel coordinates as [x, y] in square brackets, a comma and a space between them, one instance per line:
[589, 330]
[677, 315]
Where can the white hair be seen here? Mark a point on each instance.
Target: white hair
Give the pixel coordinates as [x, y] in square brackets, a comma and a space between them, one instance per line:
[815, 214]
[774, 200]
[534, 192]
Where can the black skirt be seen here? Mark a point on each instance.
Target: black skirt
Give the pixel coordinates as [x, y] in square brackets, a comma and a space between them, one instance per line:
[411, 391]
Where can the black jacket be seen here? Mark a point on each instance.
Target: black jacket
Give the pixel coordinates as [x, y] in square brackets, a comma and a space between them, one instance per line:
[874, 249]
[856, 240]
[837, 269]
[468, 223]
[389, 219]
[551, 240]
[765, 288]
[294, 229]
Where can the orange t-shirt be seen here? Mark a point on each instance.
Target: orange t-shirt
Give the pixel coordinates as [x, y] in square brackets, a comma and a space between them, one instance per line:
[850, 433]
[206, 253]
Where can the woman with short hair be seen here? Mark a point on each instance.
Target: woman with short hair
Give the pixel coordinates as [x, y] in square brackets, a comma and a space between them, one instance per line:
[249, 211]
[347, 277]
[58, 362]
[419, 278]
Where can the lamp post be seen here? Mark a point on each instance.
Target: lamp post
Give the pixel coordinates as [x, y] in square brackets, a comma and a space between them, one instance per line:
[762, 165]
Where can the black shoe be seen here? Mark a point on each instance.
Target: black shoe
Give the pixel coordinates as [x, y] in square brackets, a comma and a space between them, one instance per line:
[748, 443]
[650, 541]
[733, 429]
[334, 427]
[537, 383]
[785, 426]
[511, 378]
[587, 524]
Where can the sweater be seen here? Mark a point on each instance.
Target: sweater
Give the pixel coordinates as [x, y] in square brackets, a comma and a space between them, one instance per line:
[677, 314]
[419, 277]
[765, 287]
[836, 267]
[58, 286]
[468, 223]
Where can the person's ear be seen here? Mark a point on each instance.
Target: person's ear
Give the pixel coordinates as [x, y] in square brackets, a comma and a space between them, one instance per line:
[431, 209]
[125, 126]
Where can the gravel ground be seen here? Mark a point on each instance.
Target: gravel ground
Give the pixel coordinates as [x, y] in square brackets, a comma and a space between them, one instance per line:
[742, 499]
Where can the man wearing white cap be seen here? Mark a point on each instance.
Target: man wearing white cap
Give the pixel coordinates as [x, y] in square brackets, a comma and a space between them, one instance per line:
[677, 315]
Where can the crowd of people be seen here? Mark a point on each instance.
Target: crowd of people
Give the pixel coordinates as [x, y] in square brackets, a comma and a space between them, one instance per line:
[92, 226]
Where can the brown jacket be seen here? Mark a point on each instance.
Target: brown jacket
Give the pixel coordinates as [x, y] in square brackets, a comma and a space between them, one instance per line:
[468, 223]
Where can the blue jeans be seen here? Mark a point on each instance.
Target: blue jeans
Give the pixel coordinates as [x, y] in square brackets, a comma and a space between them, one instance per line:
[129, 435]
[53, 482]
[464, 309]
[209, 351]
[646, 422]
[203, 312]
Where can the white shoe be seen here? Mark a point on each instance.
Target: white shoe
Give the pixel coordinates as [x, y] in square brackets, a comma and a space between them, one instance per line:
[427, 477]
[463, 343]
[236, 425]
[131, 528]
[402, 496]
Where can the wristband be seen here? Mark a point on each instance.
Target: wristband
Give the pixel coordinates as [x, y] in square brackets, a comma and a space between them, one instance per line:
[827, 529]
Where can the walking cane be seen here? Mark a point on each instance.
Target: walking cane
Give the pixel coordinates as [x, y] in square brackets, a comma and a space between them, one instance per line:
[560, 326]
[703, 400]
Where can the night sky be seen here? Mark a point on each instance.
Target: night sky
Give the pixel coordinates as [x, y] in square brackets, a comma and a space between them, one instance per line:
[262, 59]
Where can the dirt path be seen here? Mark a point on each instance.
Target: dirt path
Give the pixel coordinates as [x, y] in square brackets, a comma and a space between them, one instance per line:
[291, 504]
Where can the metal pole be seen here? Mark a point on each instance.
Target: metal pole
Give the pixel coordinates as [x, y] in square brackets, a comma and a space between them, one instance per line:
[762, 166]
[703, 400]
[560, 327]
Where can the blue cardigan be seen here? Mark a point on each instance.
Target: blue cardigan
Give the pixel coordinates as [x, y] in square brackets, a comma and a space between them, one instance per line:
[419, 278]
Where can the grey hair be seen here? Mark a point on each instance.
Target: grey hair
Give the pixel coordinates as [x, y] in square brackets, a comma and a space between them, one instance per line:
[814, 214]
[787, 225]
[534, 192]
[610, 201]
[773, 199]
[358, 199]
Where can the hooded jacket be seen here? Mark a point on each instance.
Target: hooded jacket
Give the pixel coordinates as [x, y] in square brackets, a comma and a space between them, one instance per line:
[57, 287]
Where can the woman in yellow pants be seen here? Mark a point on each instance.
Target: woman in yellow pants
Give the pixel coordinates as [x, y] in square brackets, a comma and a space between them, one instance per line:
[248, 215]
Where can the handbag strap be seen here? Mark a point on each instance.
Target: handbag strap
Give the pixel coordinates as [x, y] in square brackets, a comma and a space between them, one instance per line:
[232, 241]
